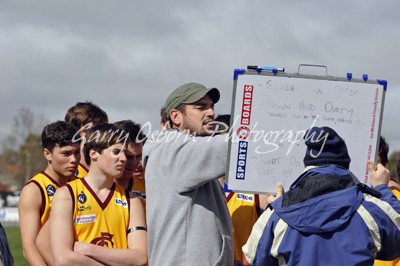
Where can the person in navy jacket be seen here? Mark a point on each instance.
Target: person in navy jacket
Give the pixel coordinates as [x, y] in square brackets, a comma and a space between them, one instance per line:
[328, 217]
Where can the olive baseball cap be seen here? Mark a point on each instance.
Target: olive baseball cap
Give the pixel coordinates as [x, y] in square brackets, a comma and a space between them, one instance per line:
[189, 93]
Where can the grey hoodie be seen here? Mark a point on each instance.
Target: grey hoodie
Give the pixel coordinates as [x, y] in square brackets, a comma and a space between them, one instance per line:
[187, 217]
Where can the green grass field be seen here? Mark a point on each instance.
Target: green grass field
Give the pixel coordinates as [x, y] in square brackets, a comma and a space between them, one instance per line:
[14, 240]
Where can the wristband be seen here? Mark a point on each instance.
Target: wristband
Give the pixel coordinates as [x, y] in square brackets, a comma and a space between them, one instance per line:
[136, 228]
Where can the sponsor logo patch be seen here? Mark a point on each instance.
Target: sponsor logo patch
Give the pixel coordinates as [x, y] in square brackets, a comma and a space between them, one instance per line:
[85, 219]
[84, 208]
[244, 197]
[121, 202]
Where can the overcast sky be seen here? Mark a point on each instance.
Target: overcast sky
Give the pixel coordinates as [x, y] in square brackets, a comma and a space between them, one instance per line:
[127, 56]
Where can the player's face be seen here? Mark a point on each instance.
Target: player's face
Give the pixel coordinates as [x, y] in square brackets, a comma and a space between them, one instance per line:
[134, 166]
[112, 160]
[199, 117]
[64, 160]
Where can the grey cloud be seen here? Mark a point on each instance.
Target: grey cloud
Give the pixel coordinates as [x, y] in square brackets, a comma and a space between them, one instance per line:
[127, 56]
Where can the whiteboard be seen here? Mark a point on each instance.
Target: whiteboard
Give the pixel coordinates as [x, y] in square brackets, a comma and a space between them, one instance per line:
[272, 111]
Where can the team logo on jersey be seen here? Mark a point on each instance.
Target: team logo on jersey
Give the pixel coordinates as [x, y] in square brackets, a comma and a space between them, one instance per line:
[82, 197]
[244, 197]
[85, 219]
[121, 202]
[105, 240]
[50, 189]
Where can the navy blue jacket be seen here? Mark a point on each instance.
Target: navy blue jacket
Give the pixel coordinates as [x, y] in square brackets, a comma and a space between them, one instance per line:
[326, 218]
[6, 257]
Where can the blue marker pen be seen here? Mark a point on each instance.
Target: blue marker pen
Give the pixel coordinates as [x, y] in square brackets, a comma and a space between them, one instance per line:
[268, 68]
[273, 68]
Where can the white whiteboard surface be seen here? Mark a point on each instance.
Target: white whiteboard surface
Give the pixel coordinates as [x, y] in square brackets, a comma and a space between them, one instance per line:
[271, 113]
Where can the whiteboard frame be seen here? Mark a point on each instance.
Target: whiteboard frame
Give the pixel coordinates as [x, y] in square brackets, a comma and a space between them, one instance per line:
[238, 72]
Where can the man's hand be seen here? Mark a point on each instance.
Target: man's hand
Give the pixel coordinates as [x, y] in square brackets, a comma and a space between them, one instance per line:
[379, 175]
[279, 192]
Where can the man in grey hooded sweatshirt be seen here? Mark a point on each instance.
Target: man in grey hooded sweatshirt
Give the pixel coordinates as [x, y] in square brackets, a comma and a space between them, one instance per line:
[187, 217]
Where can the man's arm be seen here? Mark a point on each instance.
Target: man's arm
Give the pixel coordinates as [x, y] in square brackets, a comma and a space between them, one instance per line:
[61, 235]
[136, 254]
[192, 161]
[265, 199]
[252, 246]
[389, 219]
[200, 160]
[380, 177]
[29, 206]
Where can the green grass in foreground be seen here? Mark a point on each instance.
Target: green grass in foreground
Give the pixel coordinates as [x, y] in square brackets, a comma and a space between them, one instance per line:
[14, 240]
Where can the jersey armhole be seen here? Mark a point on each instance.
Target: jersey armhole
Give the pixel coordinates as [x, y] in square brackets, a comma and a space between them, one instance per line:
[43, 204]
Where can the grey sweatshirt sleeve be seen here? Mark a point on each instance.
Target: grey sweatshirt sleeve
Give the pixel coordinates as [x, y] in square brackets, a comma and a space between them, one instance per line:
[198, 161]
[188, 162]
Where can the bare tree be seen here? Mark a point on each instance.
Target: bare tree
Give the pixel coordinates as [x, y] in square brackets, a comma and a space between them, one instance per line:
[21, 155]
[32, 157]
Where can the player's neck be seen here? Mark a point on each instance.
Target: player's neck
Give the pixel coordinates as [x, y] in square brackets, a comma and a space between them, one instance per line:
[101, 186]
[61, 180]
[98, 180]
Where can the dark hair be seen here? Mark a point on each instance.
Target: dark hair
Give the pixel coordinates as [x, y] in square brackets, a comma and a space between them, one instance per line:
[398, 168]
[383, 151]
[83, 113]
[134, 130]
[102, 136]
[59, 133]
[181, 108]
[226, 120]
[164, 115]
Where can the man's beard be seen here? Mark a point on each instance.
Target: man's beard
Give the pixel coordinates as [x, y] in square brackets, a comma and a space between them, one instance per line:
[199, 133]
